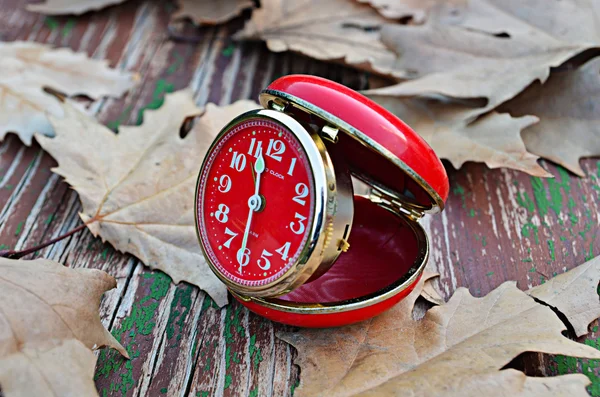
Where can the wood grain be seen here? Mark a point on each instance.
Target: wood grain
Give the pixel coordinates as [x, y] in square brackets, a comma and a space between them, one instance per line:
[498, 224]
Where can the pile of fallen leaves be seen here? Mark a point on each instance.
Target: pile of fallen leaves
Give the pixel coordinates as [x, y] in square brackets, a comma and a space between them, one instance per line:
[495, 81]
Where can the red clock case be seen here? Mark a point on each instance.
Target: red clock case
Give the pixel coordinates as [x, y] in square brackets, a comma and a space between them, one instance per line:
[389, 248]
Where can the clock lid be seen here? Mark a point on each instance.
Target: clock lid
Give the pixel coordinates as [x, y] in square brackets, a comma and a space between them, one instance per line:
[379, 148]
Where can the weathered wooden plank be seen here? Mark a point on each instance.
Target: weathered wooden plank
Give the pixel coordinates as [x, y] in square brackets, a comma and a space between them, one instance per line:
[503, 225]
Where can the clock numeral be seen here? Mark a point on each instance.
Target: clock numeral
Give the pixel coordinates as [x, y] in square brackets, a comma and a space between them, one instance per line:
[302, 192]
[238, 161]
[258, 148]
[301, 226]
[264, 257]
[243, 257]
[275, 149]
[224, 183]
[284, 250]
[221, 214]
[292, 165]
[229, 233]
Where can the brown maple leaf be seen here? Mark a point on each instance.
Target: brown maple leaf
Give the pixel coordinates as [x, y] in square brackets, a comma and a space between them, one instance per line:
[211, 12]
[26, 68]
[335, 30]
[491, 49]
[49, 323]
[417, 10]
[568, 106]
[64, 7]
[456, 349]
[137, 187]
[460, 133]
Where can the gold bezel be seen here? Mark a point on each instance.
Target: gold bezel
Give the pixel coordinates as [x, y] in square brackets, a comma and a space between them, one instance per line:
[282, 98]
[360, 302]
[312, 255]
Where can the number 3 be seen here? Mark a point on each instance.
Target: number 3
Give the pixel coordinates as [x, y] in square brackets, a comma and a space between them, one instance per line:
[301, 226]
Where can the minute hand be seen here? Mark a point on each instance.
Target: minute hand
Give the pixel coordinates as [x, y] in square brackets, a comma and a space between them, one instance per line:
[254, 203]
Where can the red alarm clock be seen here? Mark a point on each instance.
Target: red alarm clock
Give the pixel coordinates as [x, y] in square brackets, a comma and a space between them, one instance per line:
[277, 218]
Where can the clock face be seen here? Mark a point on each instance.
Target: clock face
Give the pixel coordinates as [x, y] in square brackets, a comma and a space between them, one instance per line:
[255, 202]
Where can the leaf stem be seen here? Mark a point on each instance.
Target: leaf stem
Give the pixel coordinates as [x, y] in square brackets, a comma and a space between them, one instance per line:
[11, 254]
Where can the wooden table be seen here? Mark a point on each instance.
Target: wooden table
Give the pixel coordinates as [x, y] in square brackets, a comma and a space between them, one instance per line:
[498, 225]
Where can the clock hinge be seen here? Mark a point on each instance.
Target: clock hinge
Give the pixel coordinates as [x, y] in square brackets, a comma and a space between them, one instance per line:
[394, 205]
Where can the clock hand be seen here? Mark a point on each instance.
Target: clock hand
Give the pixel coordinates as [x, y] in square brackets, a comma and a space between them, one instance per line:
[254, 203]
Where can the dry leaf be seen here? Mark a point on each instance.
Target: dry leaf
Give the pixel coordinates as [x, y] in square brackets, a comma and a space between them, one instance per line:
[211, 12]
[77, 7]
[28, 67]
[48, 323]
[457, 349]
[399, 9]
[335, 30]
[570, 294]
[429, 292]
[491, 49]
[568, 106]
[137, 187]
[461, 134]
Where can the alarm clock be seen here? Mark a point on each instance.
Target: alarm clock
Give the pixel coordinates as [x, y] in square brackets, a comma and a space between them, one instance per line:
[279, 222]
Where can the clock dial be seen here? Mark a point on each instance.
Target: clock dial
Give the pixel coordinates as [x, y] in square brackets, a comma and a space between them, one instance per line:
[256, 202]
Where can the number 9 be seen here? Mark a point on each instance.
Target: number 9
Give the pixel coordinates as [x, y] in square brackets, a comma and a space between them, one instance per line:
[224, 184]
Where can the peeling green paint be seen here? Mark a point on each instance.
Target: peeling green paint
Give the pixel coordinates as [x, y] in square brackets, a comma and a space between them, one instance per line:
[294, 386]
[526, 231]
[489, 274]
[539, 194]
[69, 25]
[255, 352]
[526, 202]
[588, 227]
[175, 65]
[567, 365]
[49, 219]
[194, 348]
[460, 191]
[183, 298]
[158, 98]
[228, 381]
[141, 321]
[19, 228]
[472, 213]
[590, 254]
[232, 325]
[551, 249]
[51, 23]
[228, 51]
[115, 124]
[164, 390]
[253, 392]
